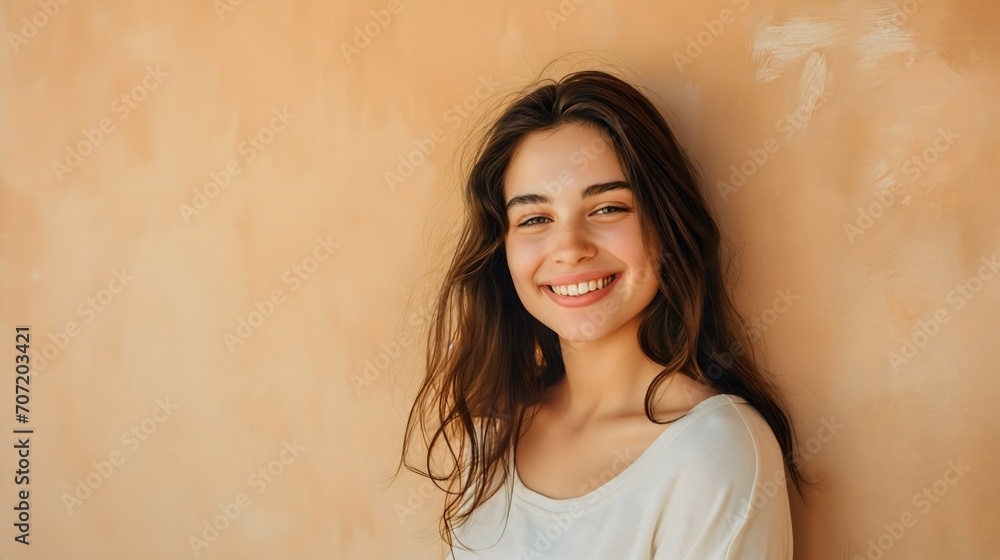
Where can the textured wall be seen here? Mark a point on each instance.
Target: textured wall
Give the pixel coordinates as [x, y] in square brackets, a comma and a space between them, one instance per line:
[225, 288]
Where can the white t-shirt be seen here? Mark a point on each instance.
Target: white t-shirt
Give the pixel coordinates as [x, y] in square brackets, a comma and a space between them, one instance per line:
[710, 486]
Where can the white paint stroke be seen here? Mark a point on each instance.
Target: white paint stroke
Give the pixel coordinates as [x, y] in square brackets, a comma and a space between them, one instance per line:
[887, 39]
[886, 177]
[775, 46]
[811, 86]
[875, 33]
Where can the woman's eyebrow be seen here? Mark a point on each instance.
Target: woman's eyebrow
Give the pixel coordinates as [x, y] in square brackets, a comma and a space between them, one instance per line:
[592, 190]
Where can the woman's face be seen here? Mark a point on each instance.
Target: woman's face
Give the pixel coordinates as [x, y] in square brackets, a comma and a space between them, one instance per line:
[572, 224]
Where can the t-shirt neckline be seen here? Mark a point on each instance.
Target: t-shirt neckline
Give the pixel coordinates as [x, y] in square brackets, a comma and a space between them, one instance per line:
[622, 480]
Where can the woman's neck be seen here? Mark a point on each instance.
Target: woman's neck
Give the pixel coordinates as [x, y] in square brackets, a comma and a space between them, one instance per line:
[605, 378]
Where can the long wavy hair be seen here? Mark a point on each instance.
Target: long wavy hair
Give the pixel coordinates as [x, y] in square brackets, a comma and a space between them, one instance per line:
[488, 360]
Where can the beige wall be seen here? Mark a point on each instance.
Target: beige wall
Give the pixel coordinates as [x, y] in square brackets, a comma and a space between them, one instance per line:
[130, 295]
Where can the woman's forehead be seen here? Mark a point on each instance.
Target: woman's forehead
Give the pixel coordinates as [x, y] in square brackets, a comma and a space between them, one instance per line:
[572, 156]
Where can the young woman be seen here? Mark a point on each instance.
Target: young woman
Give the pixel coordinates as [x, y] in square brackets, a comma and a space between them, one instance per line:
[587, 373]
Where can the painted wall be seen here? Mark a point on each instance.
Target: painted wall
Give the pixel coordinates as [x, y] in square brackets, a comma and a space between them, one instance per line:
[225, 284]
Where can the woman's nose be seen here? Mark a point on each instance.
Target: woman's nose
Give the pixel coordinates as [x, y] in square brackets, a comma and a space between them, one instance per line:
[572, 242]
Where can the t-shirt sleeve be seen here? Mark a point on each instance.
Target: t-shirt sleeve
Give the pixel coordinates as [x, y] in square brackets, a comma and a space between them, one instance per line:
[730, 501]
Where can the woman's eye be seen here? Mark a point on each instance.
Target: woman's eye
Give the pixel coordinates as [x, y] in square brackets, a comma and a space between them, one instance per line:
[530, 222]
[600, 211]
[615, 208]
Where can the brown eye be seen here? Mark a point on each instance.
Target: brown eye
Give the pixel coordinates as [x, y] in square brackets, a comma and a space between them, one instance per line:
[616, 209]
[529, 222]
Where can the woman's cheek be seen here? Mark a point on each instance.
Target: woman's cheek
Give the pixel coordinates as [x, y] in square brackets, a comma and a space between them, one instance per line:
[525, 249]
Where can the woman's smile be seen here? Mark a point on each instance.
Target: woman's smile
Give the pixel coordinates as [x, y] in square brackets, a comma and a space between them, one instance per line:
[582, 293]
[573, 234]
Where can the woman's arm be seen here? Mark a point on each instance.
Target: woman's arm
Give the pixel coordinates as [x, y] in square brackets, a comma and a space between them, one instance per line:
[731, 500]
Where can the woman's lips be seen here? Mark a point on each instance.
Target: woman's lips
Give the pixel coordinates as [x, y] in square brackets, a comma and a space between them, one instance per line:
[581, 288]
[586, 299]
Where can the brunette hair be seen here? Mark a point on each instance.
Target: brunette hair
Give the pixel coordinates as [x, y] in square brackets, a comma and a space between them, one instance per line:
[488, 360]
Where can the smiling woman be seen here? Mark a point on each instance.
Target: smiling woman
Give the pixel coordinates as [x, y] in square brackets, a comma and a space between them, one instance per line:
[581, 351]
[586, 232]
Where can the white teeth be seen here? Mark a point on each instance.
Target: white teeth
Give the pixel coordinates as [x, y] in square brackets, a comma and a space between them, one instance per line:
[582, 287]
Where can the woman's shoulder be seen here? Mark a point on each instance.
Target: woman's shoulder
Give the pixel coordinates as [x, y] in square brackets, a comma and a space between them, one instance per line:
[726, 455]
[727, 431]
[728, 473]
